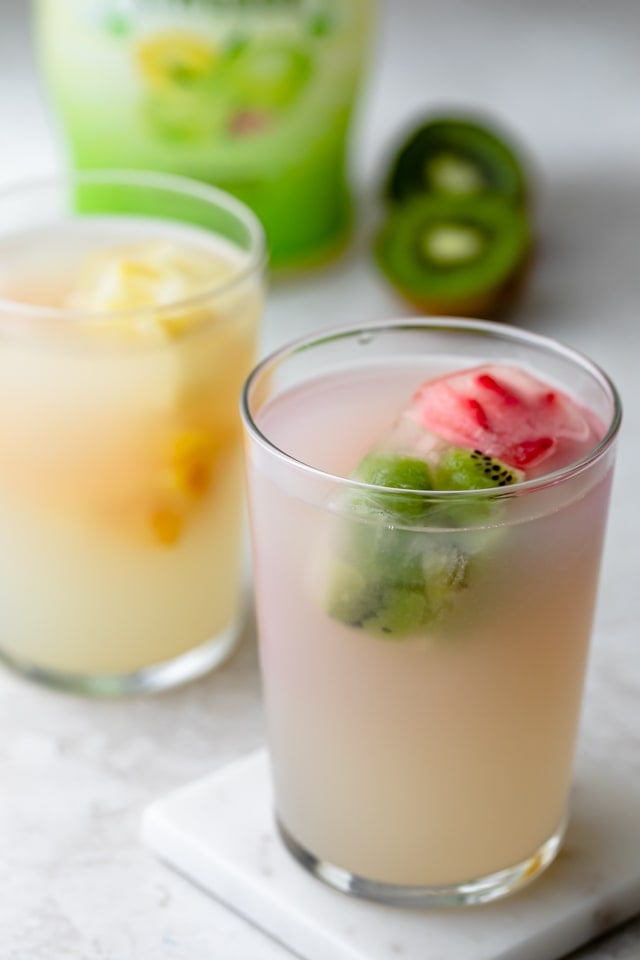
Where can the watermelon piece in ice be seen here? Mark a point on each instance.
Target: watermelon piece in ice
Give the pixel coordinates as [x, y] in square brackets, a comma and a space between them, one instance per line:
[505, 413]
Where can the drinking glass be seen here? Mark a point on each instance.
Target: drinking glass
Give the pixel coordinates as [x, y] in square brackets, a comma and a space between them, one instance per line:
[120, 488]
[428, 766]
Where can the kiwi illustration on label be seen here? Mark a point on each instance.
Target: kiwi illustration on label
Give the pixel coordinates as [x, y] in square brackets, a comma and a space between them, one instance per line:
[176, 69]
[457, 238]
[455, 256]
[269, 73]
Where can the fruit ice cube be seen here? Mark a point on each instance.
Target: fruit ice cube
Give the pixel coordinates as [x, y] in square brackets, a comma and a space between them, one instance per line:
[388, 576]
[144, 275]
[382, 580]
[475, 430]
[506, 413]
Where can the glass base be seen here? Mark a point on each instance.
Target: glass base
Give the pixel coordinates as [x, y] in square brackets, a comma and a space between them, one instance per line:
[160, 676]
[480, 890]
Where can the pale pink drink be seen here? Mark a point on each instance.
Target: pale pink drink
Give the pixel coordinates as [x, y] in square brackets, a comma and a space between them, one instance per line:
[423, 652]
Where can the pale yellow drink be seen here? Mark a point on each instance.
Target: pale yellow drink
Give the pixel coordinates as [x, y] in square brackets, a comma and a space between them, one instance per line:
[120, 479]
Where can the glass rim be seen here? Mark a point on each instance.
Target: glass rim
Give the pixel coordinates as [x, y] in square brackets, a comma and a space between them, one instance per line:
[214, 196]
[494, 329]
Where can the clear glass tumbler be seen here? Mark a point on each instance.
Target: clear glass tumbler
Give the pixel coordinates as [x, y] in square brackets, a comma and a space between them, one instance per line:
[428, 764]
[129, 309]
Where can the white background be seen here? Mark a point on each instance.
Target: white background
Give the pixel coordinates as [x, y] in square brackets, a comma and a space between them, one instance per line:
[75, 775]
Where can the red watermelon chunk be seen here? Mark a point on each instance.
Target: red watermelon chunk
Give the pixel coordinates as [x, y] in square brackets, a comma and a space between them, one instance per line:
[506, 413]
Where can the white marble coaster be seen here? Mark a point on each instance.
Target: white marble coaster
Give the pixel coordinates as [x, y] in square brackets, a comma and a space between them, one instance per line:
[219, 833]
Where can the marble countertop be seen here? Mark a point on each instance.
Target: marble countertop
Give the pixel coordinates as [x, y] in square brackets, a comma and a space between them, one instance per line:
[76, 774]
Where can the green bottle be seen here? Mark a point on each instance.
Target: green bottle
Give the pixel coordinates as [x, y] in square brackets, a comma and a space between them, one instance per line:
[254, 96]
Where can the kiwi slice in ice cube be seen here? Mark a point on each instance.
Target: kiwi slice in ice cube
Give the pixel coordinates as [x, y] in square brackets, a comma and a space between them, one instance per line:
[385, 578]
[376, 580]
[415, 595]
[401, 610]
[455, 256]
[397, 473]
[461, 469]
[392, 582]
[456, 157]
[472, 470]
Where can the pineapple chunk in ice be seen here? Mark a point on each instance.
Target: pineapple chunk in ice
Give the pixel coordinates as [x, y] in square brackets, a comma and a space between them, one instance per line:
[126, 283]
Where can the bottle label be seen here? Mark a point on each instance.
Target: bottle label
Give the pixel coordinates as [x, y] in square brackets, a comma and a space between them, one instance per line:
[253, 95]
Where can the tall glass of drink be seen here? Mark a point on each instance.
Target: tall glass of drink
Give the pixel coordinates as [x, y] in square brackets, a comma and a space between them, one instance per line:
[428, 503]
[129, 308]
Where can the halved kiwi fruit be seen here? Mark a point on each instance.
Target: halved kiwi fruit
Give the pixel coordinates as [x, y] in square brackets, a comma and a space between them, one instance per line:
[456, 157]
[454, 256]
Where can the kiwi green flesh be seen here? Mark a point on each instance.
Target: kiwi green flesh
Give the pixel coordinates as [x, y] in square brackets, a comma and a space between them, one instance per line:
[462, 469]
[383, 583]
[452, 244]
[394, 473]
[456, 157]
[392, 581]
[450, 173]
[421, 247]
